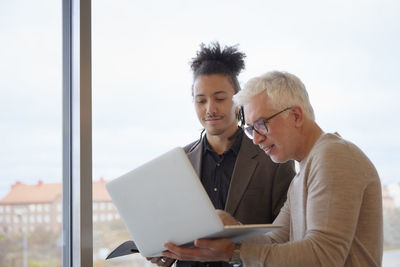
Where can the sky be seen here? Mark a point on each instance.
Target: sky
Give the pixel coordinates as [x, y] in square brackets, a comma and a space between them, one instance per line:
[345, 52]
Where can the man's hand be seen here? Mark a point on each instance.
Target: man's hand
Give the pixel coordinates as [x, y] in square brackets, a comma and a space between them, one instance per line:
[161, 261]
[204, 250]
[226, 218]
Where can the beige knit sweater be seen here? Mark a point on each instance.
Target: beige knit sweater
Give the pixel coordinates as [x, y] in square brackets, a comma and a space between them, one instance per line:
[333, 214]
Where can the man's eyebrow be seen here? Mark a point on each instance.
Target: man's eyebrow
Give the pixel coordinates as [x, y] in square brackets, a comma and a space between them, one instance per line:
[220, 92]
[216, 93]
[261, 118]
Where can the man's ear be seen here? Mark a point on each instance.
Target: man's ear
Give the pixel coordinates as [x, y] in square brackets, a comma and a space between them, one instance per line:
[237, 112]
[298, 116]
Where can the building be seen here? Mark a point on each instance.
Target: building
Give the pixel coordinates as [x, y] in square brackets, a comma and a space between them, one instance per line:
[27, 207]
[394, 191]
[388, 200]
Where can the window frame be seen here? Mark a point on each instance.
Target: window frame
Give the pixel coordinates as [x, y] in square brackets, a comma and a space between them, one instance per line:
[77, 227]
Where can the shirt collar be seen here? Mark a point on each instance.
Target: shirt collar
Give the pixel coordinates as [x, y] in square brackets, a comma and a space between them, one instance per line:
[235, 147]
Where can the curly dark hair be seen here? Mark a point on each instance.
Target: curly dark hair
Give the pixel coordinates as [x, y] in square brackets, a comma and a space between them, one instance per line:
[212, 59]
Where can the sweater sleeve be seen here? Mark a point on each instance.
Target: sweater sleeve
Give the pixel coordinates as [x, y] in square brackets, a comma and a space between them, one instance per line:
[280, 235]
[333, 185]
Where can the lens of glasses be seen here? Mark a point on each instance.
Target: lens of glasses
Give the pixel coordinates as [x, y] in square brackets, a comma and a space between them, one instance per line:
[261, 127]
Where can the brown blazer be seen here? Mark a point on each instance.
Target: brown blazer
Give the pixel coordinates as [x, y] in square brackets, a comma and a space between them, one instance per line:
[258, 186]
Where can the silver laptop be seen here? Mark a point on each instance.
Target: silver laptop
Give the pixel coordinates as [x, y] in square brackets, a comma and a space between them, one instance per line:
[164, 201]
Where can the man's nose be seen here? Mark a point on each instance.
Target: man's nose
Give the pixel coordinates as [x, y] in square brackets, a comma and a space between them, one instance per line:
[211, 107]
[258, 138]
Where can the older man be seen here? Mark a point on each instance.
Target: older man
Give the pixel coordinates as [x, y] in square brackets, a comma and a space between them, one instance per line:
[333, 213]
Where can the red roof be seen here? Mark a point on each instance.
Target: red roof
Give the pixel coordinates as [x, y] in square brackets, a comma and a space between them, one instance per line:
[99, 191]
[46, 193]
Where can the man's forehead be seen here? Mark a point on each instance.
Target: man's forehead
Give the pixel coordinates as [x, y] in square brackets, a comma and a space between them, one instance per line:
[256, 108]
[253, 113]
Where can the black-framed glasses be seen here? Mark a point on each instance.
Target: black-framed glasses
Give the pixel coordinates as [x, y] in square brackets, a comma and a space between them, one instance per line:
[260, 126]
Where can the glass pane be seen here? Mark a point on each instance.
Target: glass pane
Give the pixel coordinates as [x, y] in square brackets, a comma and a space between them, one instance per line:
[142, 104]
[30, 133]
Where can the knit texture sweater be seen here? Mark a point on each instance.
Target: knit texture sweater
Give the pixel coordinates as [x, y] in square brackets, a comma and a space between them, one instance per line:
[332, 216]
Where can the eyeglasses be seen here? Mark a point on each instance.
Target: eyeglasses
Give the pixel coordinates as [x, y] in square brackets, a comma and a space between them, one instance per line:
[260, 126]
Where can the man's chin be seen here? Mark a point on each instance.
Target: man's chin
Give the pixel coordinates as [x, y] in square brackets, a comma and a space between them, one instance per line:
[214, 132]
[276, 159]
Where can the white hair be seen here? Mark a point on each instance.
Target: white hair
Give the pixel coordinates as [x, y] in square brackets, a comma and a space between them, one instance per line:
[283, 89]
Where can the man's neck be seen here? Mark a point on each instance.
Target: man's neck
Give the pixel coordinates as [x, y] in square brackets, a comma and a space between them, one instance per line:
[310, 136]
[221, 143]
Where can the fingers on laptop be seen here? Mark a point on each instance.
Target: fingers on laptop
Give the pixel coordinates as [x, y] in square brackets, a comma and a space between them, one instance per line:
[161, 261]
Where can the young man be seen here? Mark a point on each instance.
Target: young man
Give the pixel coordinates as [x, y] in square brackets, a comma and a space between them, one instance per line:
[237, 175]
[333, 214]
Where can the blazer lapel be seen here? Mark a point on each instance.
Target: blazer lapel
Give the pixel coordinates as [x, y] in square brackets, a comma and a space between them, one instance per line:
[242, 173]
[195, 157]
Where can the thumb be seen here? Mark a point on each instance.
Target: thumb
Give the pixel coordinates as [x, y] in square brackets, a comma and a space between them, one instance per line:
[204, 243]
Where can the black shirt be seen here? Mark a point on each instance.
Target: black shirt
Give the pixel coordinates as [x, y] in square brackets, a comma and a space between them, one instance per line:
[216, 173]
[216, 170]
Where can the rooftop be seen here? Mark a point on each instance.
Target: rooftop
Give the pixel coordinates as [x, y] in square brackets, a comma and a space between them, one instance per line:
[46, 193]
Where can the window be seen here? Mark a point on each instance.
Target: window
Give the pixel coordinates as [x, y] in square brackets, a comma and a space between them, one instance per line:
[30, 111]
[30, 79]
[141, 73]
[32, 207]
